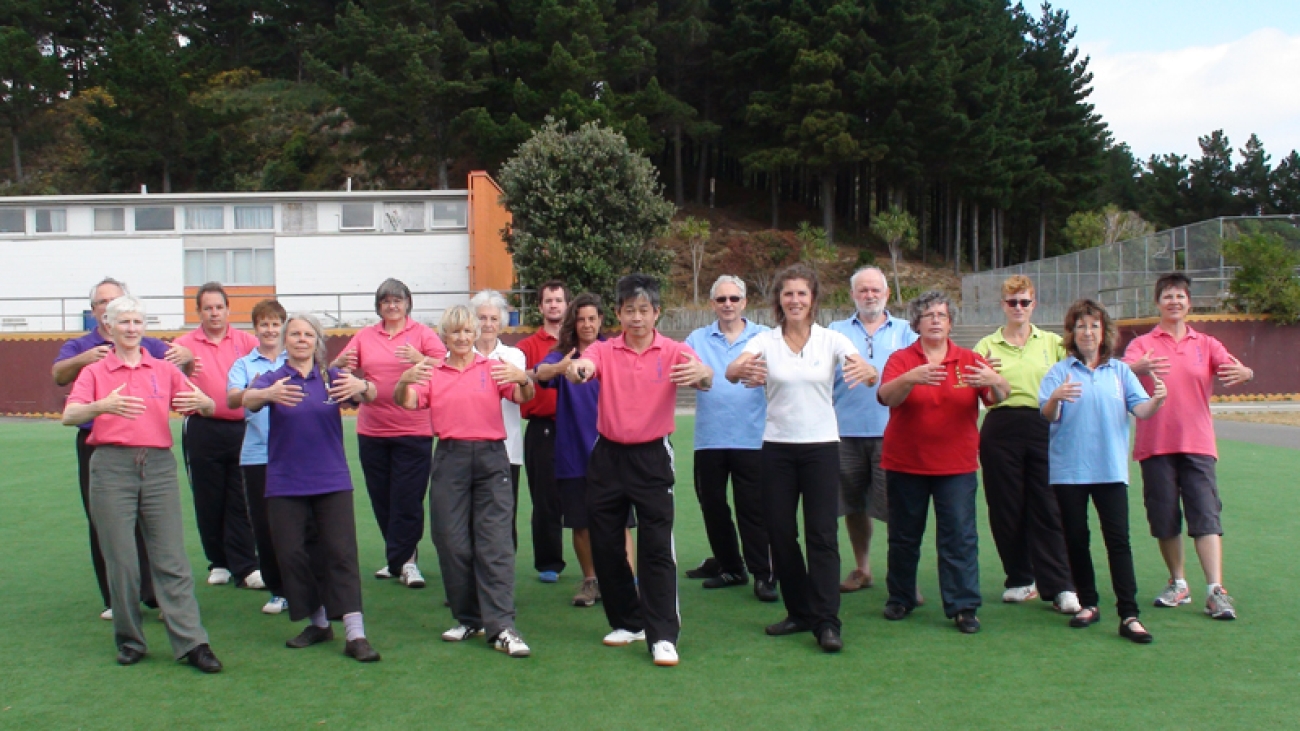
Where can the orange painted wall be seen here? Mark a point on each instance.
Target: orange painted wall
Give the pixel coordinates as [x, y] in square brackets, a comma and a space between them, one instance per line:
[490, 265]
[242, 301]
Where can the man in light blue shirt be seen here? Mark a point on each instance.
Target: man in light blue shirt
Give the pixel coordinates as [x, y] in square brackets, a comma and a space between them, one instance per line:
[729, 420]
[862, 419]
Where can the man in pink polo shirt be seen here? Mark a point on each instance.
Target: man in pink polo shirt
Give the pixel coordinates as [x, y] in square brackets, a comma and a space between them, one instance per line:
[1176, 447]
[632, 465]
[211, 445]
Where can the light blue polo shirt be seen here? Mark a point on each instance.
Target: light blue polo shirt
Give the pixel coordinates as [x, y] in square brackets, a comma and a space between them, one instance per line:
[858, 411]
[257, 423]
[729, 415]
[1089, 439]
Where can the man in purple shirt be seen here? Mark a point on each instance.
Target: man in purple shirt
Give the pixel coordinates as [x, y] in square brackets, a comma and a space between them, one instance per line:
[76, 354]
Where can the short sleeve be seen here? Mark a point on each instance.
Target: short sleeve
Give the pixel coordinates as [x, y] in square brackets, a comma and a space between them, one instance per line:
[515, 357]
[155, 347]
[1134, 394]
[238, 376]
[551, 358]
[595, 353]
[1052, 381]
[757, 345]
[69, 349]
[266, 380]
[1060, 347]
[985, 346]
[178, 382]
[83, 389]
[841, 347]
[1133, 352]
[894, 367]
[431, 345]
[1219, 354]
[355, 344]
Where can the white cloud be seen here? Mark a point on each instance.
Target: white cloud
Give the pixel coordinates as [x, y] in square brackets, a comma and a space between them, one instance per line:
[1161, 102]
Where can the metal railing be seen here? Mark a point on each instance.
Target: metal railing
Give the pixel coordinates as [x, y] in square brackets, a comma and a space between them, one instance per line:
[1122, 275]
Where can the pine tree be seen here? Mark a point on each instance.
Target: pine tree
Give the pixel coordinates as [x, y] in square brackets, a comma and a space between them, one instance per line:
[1251, 179]
[1211, 183]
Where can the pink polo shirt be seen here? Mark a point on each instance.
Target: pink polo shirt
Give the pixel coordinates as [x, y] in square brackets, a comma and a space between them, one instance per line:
[156, 381]
[378, 361]
[217, 358]
[465, 404]
[1183, 425]
[637, 395]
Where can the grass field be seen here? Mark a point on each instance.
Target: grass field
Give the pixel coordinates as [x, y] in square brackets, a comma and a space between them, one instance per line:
[1026, 669]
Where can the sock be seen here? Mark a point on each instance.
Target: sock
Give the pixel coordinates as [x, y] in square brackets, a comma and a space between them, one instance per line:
[1209, 589]
[318, 618]
[1180, 583]
[354, 626]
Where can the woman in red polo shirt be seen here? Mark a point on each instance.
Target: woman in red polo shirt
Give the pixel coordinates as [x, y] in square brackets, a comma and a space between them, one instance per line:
[470, 498]
[931, 448]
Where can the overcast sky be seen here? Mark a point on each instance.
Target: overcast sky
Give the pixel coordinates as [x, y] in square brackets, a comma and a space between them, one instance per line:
[1166, 72]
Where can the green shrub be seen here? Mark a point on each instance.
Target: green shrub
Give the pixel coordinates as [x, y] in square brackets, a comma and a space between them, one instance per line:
[1265, 282]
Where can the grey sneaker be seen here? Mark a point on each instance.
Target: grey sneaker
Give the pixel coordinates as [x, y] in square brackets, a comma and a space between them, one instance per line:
[1173, 595]
[588, 594]
[460, 633]
[511, 643]
[1219, 605]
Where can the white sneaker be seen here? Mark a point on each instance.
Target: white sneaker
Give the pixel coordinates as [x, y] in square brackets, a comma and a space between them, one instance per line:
[254, 581]
[275, 605]
[1067, 602]
[219, 576]
[665, 653]
[383, 573]
[511, 643]
[411, 576]
[460, 633]
[622, 637]
[107, 614]
[1018, 594]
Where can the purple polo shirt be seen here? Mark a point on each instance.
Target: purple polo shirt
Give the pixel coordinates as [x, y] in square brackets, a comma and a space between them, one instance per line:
[305, 446]
[575, 422]
[93, 339]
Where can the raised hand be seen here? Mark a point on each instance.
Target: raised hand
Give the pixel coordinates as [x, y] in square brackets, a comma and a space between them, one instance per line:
[754, 373]
[127, 407]
[1071, 390]
[97, 353]
[994, 362]
[186, 402]
[928, 374]
[981, 375]
[198, 366]
[1151, 364]
[504, 372]
[690, 371]
[284, 393]
[580, 371]
[347, 360]
[346, 387]
[405, 352]
[1234, 373]
[1159, 392]
[419, 373]
[858, 371]
[178, 355]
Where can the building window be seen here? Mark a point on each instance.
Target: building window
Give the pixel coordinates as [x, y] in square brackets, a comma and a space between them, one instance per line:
[254, 218]
[203, 218]
[403, 216]
[110, 219]
[13, 220]
[448, 214]
[51, 220]
[356, 216]
[155, 219]
[230, 266]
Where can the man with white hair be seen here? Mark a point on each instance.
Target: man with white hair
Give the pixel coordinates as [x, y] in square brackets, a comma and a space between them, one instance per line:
[729, 421]
[75, 355]
[862, 419]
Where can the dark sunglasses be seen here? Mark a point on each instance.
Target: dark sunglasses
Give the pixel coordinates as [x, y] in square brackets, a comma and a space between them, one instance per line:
[723, 299]
[1020, 303]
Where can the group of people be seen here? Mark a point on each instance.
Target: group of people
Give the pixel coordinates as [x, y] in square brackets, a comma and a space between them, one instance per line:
[870, 419]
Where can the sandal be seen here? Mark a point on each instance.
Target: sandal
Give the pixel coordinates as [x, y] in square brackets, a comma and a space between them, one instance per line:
[1086, 617]
[1132, 629]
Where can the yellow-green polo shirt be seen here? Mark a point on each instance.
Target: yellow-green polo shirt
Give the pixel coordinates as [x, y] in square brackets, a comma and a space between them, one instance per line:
[1025, 367]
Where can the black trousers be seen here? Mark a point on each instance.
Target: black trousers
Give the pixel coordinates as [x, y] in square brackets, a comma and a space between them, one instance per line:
[211, 448]
[743, 466]
[84, 451]
[812, 472]
[539, 465]
[316, 544]
[620, 476]
[397, 478]
[1023, 512]
[255, 490]
[1112, 512]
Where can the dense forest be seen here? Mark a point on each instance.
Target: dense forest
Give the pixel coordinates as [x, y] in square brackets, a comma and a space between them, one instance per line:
[971, 114]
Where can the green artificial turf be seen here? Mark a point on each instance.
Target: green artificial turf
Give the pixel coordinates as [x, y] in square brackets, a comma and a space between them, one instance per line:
[1026, 669]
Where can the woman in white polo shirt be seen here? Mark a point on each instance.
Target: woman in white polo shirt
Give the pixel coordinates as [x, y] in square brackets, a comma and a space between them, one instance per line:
[796, 362]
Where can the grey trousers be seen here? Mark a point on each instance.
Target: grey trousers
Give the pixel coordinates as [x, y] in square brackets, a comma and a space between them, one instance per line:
[471, 511]
[130, 486]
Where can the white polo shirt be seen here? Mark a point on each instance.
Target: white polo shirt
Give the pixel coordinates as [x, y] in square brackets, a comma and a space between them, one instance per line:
[799, 385]
[510, 409]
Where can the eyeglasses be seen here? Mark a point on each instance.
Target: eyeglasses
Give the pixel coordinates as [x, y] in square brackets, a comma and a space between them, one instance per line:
[725, 298]
[940, 316]
[1019, 303]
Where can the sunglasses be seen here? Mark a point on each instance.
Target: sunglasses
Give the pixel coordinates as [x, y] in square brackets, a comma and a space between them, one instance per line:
[1019, 303]
[723, 299]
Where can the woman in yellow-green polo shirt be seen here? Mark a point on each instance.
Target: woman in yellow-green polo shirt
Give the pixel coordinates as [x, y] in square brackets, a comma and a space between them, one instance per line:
[1023, 512]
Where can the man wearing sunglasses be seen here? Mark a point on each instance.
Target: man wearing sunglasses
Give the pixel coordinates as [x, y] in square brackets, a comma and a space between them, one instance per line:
[862, 419]
[729, 422]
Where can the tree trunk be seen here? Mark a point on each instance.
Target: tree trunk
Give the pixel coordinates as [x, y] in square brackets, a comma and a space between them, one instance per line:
[1042, 234]
[18, 156]
[774, 184]
[443, 182]
[679, 197]
[702, 174]
[828, 205]
[975, 237]
[893, 256]
[956, 242]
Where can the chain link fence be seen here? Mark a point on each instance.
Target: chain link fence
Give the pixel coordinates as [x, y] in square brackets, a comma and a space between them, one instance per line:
[1122, 275]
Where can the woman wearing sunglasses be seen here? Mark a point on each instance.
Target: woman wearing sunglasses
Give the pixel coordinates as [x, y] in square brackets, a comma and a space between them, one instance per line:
[1023, 512]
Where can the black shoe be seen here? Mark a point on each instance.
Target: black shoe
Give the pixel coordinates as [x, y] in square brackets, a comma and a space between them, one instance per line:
[895, 611]
[707, 569]
[785, 627]
[1140, 635]
[967, 622]
[202, 658]
[361, 650]
[765, 591]
[310, 636]
[725, 579]
[128, 655]
[830, 641]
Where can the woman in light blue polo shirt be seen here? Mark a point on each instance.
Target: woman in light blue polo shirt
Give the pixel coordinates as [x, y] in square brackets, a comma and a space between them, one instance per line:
[1087, 399]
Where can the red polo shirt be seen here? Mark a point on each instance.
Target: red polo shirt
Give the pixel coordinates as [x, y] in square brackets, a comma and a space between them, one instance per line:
[216, 358]
[934, 431]
[535, 348]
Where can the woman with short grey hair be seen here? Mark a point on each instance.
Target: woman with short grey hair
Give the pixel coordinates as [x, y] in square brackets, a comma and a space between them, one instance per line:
[491, 310]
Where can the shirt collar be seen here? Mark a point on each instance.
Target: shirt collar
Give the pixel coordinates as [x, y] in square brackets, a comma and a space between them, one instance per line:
[748, 329]
[1159, 332]
[406, 325]
[1034, 332]
[858, 323]
[478, 358]
[655, 343]
[113, 363]
[257, 355]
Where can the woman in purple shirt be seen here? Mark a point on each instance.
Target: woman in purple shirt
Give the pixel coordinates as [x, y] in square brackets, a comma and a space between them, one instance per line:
[309, 487]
